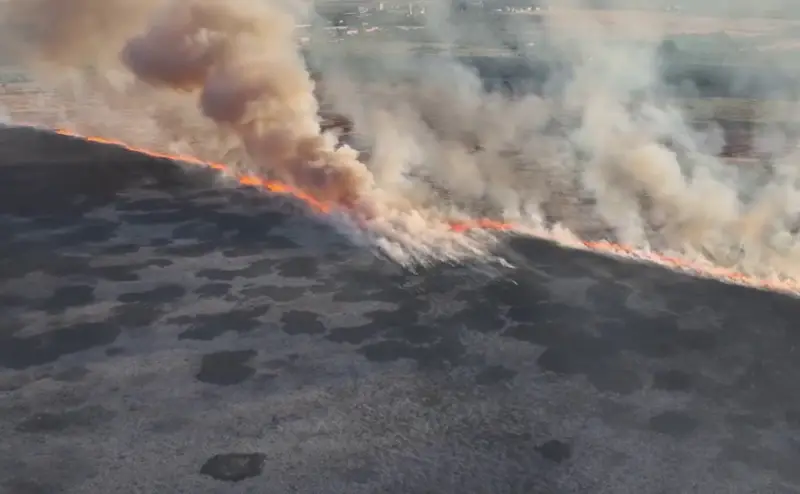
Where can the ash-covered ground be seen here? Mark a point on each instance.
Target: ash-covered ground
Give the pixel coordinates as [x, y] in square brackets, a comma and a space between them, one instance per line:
[161, 332]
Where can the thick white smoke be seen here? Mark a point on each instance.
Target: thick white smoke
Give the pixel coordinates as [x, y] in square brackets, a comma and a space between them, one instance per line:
[600, 150]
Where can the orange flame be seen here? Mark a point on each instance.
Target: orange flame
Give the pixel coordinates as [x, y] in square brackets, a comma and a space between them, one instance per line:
[603, 247]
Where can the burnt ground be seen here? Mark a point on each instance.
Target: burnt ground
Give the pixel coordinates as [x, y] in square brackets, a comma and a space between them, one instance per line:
[163, 333]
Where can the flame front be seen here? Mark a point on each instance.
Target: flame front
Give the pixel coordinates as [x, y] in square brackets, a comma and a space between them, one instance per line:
[602, 247]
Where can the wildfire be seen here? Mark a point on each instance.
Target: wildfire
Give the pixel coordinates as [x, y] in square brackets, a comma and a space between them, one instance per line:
[602, 247]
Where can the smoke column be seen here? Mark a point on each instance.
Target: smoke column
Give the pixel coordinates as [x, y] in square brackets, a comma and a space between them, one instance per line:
[601, 150]
[244, 64]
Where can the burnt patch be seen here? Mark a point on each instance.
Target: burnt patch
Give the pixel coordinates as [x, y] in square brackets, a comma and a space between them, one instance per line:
[494, 374]
[160, 295]
[68, 296]
[672, 380]
[299, 267]
[555, 450]
[354, 335]
[673, 423]
[234, 467]
[226, 368]
[214, 290]
[209, 326]
[302, 322]
[80, 418]
[43, 348]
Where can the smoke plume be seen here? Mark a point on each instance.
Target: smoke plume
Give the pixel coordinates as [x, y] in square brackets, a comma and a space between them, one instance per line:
[601, 147]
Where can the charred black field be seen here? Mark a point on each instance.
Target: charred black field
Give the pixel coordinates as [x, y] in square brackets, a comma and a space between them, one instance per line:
[223, 339]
